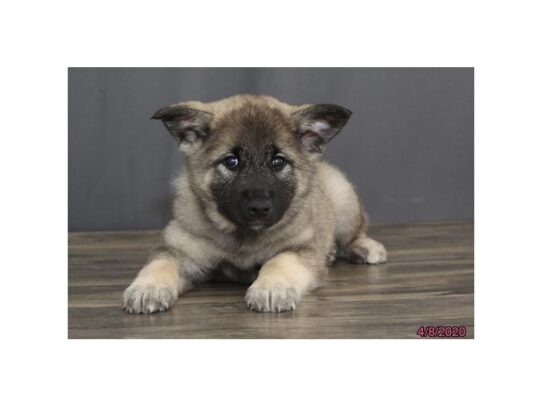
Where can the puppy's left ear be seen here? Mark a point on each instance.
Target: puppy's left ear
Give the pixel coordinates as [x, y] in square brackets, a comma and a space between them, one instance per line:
[189, 126]
[318, 124]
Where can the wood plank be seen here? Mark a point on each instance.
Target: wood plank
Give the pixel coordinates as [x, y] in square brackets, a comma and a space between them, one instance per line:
[429, 280]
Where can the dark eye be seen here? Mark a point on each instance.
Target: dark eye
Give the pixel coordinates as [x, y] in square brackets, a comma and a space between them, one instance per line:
[231, 162]
[278, 162]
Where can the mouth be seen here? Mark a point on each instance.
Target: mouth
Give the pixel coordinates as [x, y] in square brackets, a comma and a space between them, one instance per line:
[257, 226]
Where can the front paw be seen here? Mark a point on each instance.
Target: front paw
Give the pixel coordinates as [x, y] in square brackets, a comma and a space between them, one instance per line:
[146, 298]
[271, 298]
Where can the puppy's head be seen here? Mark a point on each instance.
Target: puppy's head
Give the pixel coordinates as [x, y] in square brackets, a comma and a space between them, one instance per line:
[249, 157]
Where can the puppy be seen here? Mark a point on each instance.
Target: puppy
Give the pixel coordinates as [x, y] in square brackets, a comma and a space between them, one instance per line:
[256, 203]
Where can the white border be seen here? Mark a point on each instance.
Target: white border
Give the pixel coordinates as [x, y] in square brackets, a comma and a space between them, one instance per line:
[41, 39]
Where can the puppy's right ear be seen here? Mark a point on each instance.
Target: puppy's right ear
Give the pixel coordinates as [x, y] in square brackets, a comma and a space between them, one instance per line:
[189, 126]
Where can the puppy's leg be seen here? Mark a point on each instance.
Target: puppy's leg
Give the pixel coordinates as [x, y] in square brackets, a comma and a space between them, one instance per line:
[159, 283]
[350, 220]
[357, 247]
[366, 250]
[280, 284]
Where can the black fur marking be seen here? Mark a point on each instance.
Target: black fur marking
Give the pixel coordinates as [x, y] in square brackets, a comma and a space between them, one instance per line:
[254, 196]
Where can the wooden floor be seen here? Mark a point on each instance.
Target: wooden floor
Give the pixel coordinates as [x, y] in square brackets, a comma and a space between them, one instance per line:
[429, 280]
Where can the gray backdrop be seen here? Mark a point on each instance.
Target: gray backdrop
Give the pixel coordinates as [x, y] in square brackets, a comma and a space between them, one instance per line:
[408, 146]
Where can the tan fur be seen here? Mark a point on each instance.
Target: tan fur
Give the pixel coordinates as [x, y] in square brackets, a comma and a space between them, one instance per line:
[325, 214]
[345, 203]
[156, 287]
[281, 274]
[223, 107]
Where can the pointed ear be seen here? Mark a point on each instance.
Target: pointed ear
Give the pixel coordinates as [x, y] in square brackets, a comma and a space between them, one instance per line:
[189, 126]
[318, 124]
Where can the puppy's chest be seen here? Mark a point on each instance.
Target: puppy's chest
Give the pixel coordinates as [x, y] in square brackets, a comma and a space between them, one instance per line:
[252, 254]
[249, 258]
[233, 273]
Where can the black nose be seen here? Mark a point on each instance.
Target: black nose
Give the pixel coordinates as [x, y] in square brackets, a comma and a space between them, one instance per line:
[259, 208]
[258, 203]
